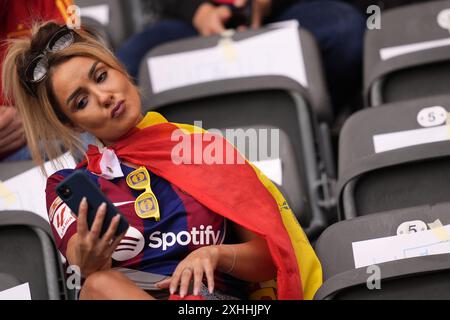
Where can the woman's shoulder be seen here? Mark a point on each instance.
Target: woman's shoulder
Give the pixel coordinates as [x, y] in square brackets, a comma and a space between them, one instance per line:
[54, 179]
[59, 175]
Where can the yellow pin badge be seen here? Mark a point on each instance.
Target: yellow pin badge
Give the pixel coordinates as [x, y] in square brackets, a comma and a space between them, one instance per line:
[146, 205]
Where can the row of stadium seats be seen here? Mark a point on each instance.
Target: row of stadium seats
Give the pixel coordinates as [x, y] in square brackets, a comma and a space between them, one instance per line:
[379, 186]
[301, 114]
[393, 162]
[114, 19]
[117, 20]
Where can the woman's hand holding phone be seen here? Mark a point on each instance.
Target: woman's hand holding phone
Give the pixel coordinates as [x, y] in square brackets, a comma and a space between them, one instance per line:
[91, 251]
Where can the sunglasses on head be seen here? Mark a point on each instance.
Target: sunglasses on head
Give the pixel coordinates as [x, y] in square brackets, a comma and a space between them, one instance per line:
[37, 69]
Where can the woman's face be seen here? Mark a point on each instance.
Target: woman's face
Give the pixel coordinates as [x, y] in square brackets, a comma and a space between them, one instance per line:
[96, 98]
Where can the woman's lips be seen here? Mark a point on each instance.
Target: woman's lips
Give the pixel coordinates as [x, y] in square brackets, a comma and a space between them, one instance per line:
[118, 109]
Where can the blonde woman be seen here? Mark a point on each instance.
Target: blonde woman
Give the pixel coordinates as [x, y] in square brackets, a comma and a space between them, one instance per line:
[64, 82]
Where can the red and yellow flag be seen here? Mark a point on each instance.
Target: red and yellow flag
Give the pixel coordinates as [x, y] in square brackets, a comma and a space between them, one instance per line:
[237, 191]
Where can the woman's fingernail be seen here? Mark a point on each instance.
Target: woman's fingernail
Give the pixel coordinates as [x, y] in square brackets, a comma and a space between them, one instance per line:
[195, 292]
[83, 201]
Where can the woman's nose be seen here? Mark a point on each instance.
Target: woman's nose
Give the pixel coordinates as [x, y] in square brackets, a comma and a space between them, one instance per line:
[106, 100]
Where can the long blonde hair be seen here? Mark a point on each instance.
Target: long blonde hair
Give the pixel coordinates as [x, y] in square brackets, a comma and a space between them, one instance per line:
[48, 131]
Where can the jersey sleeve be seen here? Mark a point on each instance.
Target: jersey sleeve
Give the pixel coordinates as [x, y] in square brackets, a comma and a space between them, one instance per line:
[63, 221]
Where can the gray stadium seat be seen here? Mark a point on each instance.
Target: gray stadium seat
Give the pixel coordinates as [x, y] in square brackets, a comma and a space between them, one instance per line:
[35, 239]
[29, 255]
[268, 102]
[421, 277]
[414, 74]
[413, 175]
[119, 24]
[13, 168]
[98, 29]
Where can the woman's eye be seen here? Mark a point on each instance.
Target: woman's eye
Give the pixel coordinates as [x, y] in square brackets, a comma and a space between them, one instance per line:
[101, 77]
[82, 103]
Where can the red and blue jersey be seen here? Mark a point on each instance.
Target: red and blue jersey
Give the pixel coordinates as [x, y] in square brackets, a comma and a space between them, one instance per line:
[149, 246]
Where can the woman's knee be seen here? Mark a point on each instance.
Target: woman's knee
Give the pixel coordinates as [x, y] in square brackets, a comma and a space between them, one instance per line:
[98, 284]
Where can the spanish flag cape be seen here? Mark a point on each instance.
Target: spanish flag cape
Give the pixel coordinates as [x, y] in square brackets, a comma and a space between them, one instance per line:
[238, 192]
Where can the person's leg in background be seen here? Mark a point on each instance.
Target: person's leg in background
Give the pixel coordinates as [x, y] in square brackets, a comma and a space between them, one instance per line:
[339, 30]
[135, 48]
[20, 155]
[24, 153]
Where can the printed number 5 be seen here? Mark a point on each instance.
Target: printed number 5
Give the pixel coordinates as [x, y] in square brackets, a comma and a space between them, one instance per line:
[431, 117]
[412, 227]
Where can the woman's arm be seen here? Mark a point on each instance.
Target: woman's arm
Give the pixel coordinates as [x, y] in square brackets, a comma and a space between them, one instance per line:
[74, 260]
[86, 248]
[249, 260]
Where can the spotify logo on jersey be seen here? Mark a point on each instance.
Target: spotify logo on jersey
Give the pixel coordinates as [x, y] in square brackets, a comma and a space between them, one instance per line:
[202, 236]
[130, 246]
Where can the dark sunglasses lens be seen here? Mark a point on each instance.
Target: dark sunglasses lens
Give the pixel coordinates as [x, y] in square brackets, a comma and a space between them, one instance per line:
[37, 69]
[61, 40]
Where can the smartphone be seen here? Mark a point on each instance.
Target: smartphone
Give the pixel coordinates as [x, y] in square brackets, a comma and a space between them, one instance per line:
[240, 16]
[78, 185]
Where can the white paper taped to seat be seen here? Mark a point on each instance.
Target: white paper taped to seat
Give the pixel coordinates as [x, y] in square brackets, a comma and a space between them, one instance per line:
[402, 139]
[29, 188]
[283, 24]
[21, 292]
[99, 13]
[375, 251]
[392, 52]
[276, 52]
[272, 169]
